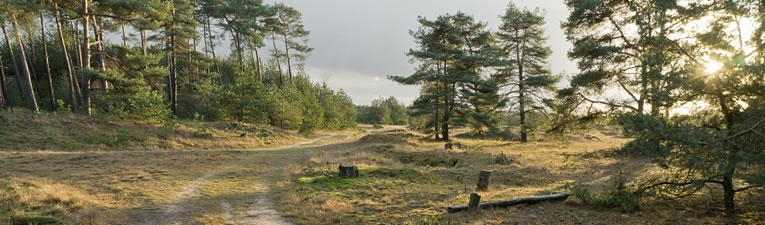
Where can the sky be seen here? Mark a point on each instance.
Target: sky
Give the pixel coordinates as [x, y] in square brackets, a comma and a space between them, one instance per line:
[358, 43]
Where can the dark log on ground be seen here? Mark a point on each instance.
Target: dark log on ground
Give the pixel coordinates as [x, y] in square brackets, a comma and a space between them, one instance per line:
[348, 171]
[512, 202]
[483, 180]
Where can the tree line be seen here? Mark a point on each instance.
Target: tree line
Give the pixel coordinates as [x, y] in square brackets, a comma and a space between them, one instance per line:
[470, 74]
[63, 55]
[660, 54]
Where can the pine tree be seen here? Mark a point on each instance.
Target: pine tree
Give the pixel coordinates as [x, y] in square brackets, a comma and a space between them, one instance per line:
[32, 101]
[295, 36]
[67, 59]
[721, 144]
[524, 67]
[435, 39]
[44, 38]
[455, 51]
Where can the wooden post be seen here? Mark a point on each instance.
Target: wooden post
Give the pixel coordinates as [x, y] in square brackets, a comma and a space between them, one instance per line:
[348, 171]
[483, 180]
[475, 200]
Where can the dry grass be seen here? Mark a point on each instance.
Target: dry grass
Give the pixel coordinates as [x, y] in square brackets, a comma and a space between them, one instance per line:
[23, 131]
[36, 200]
[141, 187]
[119, 188]
[409, 179]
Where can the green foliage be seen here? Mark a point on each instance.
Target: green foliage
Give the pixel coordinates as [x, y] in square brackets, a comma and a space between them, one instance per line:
[383, 111]
[141, 104]
[523, 65]
[37, 220]
[660, 70]
[620, 199]
[617, 196]
[455, 53]
[208, 87]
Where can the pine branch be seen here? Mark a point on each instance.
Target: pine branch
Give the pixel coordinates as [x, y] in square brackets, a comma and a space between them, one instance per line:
[747, 188]
[606, 103]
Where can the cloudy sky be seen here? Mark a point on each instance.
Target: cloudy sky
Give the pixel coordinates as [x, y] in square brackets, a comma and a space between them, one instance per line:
[360, 42]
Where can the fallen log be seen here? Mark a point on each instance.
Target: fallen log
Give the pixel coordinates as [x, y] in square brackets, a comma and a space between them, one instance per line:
[512, 202]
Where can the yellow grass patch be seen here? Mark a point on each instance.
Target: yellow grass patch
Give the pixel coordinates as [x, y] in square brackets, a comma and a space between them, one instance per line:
[408, 179]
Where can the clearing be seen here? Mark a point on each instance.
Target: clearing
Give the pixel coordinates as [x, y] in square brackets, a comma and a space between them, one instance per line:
[405, 179]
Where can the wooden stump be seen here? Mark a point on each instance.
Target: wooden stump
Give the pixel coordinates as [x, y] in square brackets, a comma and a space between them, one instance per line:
[448, 146]
[348, 171]
[475, 201]
[483, 180]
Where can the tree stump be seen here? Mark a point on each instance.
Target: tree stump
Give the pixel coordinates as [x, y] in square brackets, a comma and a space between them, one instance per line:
[448, 146]
[475, 201]
[348, 171]
[483, 180]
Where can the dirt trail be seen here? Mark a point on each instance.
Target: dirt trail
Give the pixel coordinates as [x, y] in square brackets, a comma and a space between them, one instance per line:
[188, 204]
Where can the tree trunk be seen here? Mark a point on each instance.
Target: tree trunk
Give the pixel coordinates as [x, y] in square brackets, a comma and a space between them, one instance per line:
[53, 105]
[4, 99]
[72, 89]
[289, 61]
[27, 79]
[76, 28]
[435, 122]
[77, 48]
[521, 94]
[173, 76]
[447, 108]
[31, 59]
[86, 57]
[239, 51]
[732, 159]
[436, 127]
[192, 64]
[276, 55]
[730, 205]
[258, 64]
[124, 37]
[13, 62]
[98, 32]
[33, 72]
[212, 51]
[144, 46]
[447, 114]
[254, 61]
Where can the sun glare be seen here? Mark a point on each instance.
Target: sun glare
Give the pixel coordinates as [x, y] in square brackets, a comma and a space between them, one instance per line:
[712, 66]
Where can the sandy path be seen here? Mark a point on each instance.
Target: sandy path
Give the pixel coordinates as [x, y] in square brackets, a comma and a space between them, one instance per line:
[184, 205]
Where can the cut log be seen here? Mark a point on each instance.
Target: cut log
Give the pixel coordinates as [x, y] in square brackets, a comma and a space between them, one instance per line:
[512, 202]
[483, 180]
[348, 171]
[475, 200]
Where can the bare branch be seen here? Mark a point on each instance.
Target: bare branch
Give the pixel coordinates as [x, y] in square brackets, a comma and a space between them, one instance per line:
[607, 103]
[747, 188]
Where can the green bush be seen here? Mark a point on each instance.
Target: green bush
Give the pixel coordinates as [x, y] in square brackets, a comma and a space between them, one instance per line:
[617, 196]
[143, 104]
